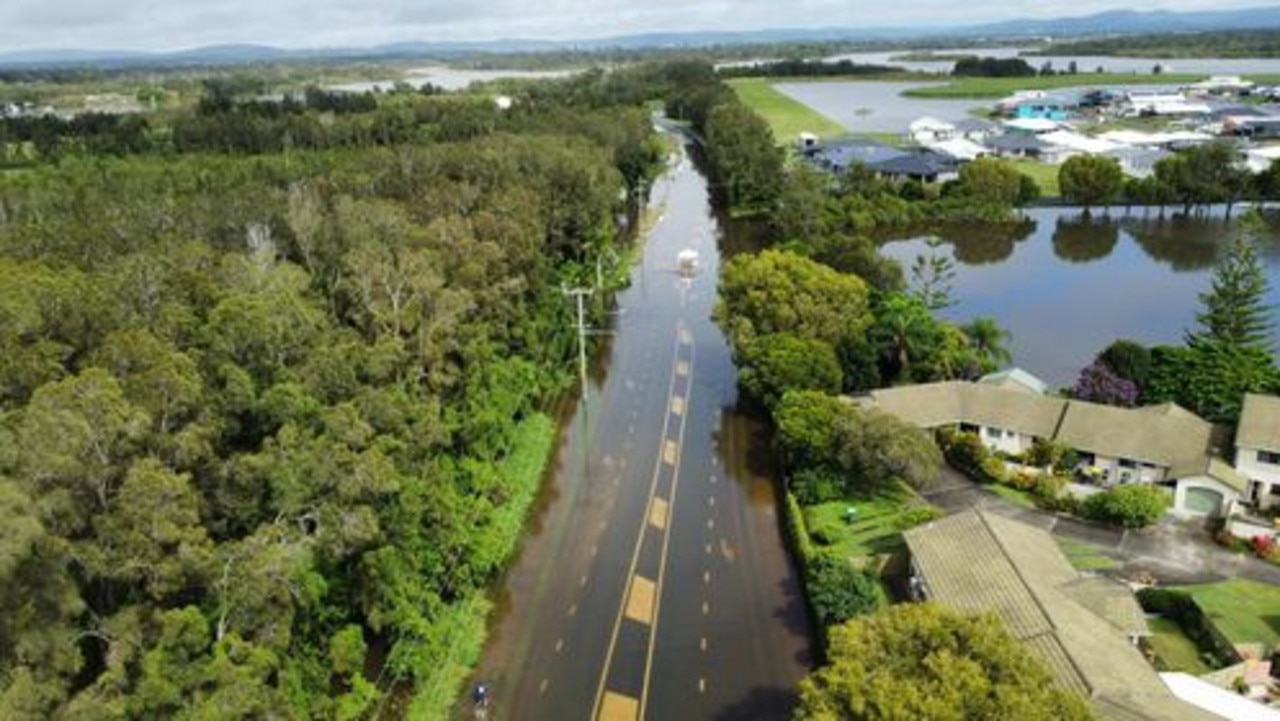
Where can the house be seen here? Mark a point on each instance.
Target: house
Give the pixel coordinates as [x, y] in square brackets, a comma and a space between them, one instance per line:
[837, 156]
[961, 149]
[975, 129]
[1031, 126]
[1064, 144]
[1258, 160]
[1221, 85]
[930, 130]
[1170, 140]
[1216, 700]
[1081, 628]
[1163, 444]
[925, 167]
[1252, 127]
[1016, 145]
[1145, 103]
[1056, 107]
[1258, 449]
[1137, 162]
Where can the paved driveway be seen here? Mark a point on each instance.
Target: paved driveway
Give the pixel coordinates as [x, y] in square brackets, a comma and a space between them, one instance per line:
[1175, 552]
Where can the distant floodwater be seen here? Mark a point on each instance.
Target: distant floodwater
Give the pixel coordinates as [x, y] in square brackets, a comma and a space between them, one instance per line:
[448, 78]
[1085, 63]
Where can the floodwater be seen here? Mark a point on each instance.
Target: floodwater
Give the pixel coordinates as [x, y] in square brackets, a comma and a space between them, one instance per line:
[448, 78]
[1085, 63]
[654, 582]
[874, 106]
[1069, 286]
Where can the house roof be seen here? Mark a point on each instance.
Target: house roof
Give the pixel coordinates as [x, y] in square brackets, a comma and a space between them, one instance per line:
[1016, 379]
[1259, 423]
[974, 125]
[959, 148]
[1165, 435]
[949, 402]
[1160, 439]
[1111, 601]
[845, 153]
[1015, 142]
[1218, 701]
[929, 123]
[976, 562]
[1076, 141]
[918, 165]
[1033, 125]
[1214, 469]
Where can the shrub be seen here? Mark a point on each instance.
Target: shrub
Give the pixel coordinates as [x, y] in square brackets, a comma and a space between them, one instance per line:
[816, 485]
[1230, 541]
[1048, 487]
[993, 470]
[838, 591]
[917, 516]
[1068, 462]
[1263, 546]
[1022, 481]
[965, 452]
[1045, 453]
[1130, 506]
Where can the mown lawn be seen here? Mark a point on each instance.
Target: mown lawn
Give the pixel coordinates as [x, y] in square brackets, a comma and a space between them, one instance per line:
[1045, 175]
[876, 528]
[1175, 650]
[1013, 495]
[786, 117]
[1245, 611]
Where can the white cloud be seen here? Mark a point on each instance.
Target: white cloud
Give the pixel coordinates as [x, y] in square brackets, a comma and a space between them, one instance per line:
[168, 24]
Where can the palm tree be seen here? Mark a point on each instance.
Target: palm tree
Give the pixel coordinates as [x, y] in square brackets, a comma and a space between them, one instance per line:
[988, 340]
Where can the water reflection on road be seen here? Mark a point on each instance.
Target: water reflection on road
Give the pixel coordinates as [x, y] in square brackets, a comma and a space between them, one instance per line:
[654, 581]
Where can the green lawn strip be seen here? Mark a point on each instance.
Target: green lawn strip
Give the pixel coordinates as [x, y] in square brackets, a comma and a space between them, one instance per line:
[1045, 175]
[1013, 495]
[787, 117]
[1175, 651]
[1244, 611]
[875, 528]
[961, 88]
[523, 468]
[1083, 556]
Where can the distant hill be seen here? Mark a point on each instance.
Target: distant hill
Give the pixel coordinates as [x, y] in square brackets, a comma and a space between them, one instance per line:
[1122, 22]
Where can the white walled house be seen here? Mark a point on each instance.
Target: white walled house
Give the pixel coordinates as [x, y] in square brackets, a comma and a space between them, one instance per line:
[1163, 444]
[1258, 449]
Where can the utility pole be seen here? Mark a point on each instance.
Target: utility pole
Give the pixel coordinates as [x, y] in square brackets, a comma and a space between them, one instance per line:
[579, 294]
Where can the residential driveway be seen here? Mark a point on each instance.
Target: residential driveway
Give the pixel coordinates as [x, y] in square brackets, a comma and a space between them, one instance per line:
[1172, 551]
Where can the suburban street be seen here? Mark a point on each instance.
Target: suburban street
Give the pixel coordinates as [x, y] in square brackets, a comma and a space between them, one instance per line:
[654, 581]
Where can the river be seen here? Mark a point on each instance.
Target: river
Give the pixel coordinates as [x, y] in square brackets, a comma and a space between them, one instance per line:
[1069, 287]
[654, 582]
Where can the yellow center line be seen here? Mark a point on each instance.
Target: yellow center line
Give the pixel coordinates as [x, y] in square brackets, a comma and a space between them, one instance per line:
[609, 705]
[658, 514]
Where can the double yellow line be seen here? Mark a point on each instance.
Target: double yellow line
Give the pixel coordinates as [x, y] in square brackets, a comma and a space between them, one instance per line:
[642, 598]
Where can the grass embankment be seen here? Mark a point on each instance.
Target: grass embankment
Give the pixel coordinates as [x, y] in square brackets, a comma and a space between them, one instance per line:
[523, 469]
[1244, 611]
[962, 88]
[1175, 651]
[787, 118]
[1013, 495]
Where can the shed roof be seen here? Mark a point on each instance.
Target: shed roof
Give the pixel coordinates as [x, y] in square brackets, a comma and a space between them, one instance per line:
[974, 561]
[1015, 379]
[1259, 423]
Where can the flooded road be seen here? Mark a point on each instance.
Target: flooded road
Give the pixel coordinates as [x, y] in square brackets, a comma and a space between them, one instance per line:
[654, 582]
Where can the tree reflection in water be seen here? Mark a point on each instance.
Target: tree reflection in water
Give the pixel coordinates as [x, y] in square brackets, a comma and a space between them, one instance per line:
[1083, 238]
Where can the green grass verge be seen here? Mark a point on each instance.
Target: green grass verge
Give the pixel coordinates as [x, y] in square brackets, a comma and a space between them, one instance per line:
[438, 691]
[1013, 495]
[1083, 556]
[523, 469]
[1244, 611]
[1174, 650]
[961, 88]
[1045, 175]
[786, 117]
[877, 527]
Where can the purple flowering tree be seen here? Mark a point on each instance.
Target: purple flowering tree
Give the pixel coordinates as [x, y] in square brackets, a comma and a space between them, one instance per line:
[1098, 383]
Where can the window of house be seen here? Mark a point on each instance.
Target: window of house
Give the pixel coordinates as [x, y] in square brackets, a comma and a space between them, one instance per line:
[1126, 463]
[1274, 491]
[1269, 457]
[1087, 459]
[993, 432]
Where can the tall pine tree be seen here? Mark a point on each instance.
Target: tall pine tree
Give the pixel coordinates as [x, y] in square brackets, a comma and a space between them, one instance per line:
[1235, 312]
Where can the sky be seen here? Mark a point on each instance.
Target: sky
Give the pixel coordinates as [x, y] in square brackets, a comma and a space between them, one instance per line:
[175, 24]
